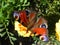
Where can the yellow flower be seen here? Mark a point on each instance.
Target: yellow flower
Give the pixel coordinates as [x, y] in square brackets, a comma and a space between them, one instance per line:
[58, 30]
[57, 36]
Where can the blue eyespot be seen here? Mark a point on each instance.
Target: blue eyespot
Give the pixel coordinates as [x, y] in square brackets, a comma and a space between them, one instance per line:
[27, 12]
[43, 25]
[16, 15]
[44, 38]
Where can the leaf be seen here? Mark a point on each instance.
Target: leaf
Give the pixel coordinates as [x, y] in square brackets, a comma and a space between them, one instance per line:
[25, 1]
[57, 42]
[1, 29]
[11, 42]
[21, 1]
[2, 34]
[7, 22]
[43, 1]
[13, 38]
[2, 4]
[11, 34]
[13, 1]
[6, 5]
[1, 25]
[1, 14]
[26, 4]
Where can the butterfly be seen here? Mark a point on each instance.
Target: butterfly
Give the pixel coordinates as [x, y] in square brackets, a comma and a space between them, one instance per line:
[28, 19]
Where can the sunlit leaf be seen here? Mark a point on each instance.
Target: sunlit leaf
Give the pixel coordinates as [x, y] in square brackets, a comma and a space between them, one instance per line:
[11, 42]
[26, 4]
[25, 1]
[6, 5]
[11, 34]
[57, 42]
[1, 14]
[13, 1]
[1, 25]
[13, 38]
[1, 29]
[21, 1]
[2, 34]
[43, 1]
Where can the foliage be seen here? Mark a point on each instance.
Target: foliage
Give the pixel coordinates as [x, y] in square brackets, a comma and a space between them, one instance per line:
[52, 41]
[46, 7]
[6, 9]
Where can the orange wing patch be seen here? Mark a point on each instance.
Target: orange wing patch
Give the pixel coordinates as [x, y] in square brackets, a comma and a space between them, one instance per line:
[40, 31]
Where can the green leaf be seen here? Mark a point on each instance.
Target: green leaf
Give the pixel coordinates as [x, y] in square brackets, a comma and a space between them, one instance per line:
[11, 34]
[11, 42]
[2, 4]
[26, 4]
[21, 1]
[2, 34]
[57, 42]
[1, 29]
[6, 5]
[43, 2]
[25, 1]
[13, 1]
[1, 14]
[1, 25]
[7, 22]
[13, 38]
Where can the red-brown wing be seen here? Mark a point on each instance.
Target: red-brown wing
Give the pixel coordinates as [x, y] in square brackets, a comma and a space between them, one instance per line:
[37, 23]
[32, 20]
[32, 16]
[23, 18]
